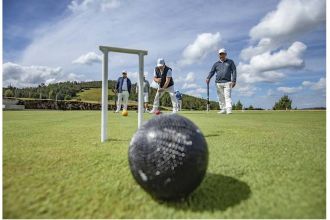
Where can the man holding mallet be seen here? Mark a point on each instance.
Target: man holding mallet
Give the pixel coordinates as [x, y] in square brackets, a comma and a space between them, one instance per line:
[163, 76]
[225, 80]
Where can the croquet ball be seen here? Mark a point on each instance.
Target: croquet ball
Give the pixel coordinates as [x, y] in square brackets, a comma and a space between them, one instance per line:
[124, 113]
[157, 112]
[168, 157]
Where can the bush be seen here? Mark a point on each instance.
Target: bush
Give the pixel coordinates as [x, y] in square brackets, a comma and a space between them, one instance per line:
[9, 93]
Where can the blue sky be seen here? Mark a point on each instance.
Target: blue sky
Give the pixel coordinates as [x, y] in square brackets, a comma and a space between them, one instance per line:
[276, 47]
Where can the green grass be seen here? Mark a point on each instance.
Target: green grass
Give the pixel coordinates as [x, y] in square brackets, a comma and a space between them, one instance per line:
[92, 94]
[261, 165]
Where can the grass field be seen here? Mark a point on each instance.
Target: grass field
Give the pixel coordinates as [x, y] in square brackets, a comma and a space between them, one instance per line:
[261, 165]
[92, 94]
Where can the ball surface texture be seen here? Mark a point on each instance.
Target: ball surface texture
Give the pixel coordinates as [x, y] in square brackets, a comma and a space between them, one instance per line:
[168, 157]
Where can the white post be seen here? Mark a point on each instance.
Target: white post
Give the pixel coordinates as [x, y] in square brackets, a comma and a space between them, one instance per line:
[104, 115]
[140, 104]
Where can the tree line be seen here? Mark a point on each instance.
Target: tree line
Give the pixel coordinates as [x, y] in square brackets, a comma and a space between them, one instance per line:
[69, 90]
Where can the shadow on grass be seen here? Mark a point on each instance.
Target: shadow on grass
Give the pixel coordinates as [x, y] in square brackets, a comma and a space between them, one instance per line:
[116, 140]
[216, 192]
[211, 135]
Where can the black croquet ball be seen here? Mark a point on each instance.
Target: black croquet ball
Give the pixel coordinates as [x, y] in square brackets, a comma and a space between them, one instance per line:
[168, 157]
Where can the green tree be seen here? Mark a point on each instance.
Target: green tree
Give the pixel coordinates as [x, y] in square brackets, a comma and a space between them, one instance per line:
[283, 103]
[239, 105]
[9, 93]
[67, 97]
[250, 107]
[51, 94]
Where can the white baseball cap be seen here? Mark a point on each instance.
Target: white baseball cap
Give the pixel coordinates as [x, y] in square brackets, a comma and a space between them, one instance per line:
[160, 62]
[222, 50]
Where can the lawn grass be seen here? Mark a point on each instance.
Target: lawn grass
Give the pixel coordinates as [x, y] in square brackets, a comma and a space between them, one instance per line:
[92, 94]
[262, 164]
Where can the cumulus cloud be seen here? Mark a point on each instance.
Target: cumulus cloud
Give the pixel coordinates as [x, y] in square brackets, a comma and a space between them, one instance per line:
[289, 90]
[190, 77]
[88, 59]
[198, 50]
[247, 90]
[77, 6]
[292, 57]
[26, 76]
[190, 86]
[291, 17]
[264, 45]
[319, 85]
[263, 67]
[199, 92]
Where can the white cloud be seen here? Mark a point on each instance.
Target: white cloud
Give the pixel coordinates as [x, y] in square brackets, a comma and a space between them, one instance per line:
[190, 86]
[290, 18]
[263, 67]
[264, 45]
[88, 59]
[199, 92]
[246, 90]
[289, 90]
[263, 60]
[77, 6]
[190, 77]
[198, 50]
[26, 76]
[321, 84]
[292, 57]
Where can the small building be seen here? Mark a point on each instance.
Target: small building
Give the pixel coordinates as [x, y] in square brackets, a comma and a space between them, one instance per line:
[11, 104]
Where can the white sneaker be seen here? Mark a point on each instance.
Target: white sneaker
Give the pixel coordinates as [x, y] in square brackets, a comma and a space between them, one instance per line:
[116, 111]
[229, 111]
[223, 111]
[174, 111]
[152, 111]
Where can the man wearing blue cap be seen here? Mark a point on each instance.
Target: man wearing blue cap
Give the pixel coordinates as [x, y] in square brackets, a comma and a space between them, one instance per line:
[163, 76]
[225, 80]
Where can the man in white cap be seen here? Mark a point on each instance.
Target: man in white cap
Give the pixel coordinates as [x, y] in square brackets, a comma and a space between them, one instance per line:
[123, 89]
[225, 80]
[163, 76]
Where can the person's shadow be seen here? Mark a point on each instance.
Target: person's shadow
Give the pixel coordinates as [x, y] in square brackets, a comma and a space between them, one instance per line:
[216, 192]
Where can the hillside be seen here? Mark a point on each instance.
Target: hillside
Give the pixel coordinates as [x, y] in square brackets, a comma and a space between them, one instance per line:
[91, 92]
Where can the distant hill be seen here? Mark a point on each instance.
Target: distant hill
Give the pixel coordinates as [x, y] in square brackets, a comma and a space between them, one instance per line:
[91, 92]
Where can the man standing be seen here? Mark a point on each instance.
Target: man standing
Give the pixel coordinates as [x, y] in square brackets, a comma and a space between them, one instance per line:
[163, 76]
[225, 80]
[146, 90]
[123, 89]
[178, 96]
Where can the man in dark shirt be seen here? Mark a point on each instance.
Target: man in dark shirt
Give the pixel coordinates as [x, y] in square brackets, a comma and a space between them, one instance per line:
[163, 76]
[225, 80]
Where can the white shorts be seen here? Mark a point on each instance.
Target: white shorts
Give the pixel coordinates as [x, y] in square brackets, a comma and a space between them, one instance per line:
[146, 97]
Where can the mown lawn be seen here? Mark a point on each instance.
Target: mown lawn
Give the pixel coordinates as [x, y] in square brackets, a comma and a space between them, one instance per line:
[261, 165]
